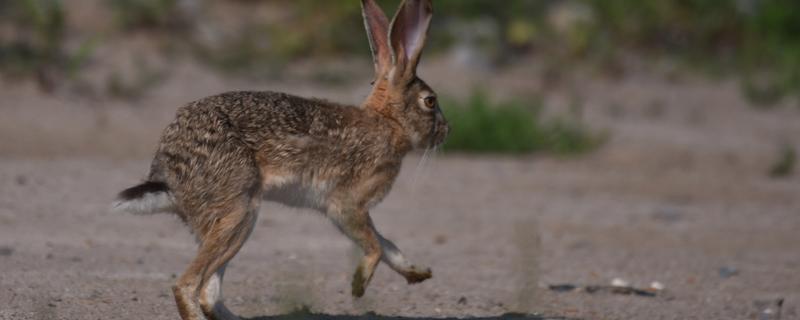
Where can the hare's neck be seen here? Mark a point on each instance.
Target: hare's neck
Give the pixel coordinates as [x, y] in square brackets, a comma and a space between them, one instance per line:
[377, 98]
[391, 131]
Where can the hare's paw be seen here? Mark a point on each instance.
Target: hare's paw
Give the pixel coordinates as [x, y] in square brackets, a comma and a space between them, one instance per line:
[359, 284]
[417, 275]
[220, 312]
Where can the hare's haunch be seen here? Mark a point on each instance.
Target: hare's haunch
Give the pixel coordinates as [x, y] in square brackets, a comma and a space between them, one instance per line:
[223, 154]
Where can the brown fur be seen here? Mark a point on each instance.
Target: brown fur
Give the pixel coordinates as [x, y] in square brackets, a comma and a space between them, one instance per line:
[223, 154]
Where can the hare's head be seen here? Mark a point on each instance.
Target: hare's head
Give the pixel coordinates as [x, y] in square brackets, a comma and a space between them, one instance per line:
[397, 92]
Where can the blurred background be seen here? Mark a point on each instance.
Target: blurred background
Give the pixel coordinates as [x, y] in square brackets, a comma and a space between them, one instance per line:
[137, 52]
[591, 140]
[513, 56]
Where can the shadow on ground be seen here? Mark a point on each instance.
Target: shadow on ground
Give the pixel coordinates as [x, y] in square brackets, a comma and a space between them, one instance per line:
[373, 316]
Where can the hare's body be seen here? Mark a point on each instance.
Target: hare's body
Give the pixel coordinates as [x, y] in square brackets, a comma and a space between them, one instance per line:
[223, 154]
[300, 152]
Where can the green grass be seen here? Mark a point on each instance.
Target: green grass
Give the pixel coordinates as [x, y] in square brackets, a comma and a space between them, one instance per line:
[785, 163]
[146, 14]
[515, 127]
[38, 50]
[42, 44]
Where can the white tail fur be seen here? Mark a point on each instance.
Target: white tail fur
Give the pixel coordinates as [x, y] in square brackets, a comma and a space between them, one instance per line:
[146, 198]
[147, 204]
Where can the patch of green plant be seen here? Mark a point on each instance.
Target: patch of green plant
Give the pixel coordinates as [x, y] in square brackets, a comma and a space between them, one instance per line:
[784, 165]
[750, 39]
[36, 49]
[763, 93]
[146, 14]
[241, 55]
[479, 125]
[38, 41]
[136, 85]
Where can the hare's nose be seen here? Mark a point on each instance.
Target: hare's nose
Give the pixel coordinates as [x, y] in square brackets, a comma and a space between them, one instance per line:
[440, 116]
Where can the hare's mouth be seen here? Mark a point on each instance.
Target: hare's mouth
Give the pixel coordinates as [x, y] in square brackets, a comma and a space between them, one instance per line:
[439, 134]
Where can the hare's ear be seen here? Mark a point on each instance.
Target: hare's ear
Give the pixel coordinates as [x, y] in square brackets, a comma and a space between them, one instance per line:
[377, 26]
[407, 37]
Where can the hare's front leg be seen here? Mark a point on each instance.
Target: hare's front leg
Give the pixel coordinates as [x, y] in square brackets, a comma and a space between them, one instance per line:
[395, 259]
[357, 225]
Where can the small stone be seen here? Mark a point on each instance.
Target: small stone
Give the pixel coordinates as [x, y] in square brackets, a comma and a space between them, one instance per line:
[619, 282]
[727, 272]
[564, 287]
[6, 251]
[462, 300]
[655, 285]
[668, 214]
[769, 309]
[440, 239]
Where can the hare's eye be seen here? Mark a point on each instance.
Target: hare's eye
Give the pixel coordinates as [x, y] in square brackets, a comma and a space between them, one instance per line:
[430, 102]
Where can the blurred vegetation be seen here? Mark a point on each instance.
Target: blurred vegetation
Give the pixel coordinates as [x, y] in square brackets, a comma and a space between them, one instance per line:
[478, 125]
[757, 41]
[135, 85]
[36, 47]
[146, 14]
[785, 163]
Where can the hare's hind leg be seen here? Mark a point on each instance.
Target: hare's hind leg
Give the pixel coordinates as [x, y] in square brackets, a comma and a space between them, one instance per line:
[226, 238]
[212, 298]
[202, 281]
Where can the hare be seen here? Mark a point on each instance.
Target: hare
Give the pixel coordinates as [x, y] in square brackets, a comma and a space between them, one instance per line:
[223, 154]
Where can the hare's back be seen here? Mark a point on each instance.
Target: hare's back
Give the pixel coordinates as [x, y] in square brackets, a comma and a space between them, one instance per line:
[246, 119]
[269, 113]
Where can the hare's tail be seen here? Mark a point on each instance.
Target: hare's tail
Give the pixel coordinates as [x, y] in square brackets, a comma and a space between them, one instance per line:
[145, 198]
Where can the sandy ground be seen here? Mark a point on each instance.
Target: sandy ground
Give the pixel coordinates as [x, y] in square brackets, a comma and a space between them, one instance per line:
[678, 192]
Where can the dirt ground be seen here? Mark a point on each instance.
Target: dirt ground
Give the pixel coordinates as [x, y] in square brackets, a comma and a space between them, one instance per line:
[679, 195]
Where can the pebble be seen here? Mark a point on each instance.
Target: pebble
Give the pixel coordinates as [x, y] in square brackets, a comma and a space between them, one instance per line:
[564, 287]
[727, 272]
[655, 285]
[668, 214]
[6, 251]
[619, 282]
[769, 309]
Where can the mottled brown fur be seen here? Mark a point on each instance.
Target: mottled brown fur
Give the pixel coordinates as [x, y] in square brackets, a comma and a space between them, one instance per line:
[223, 154]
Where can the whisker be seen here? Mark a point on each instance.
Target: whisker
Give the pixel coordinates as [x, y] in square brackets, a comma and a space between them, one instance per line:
[420, 164]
